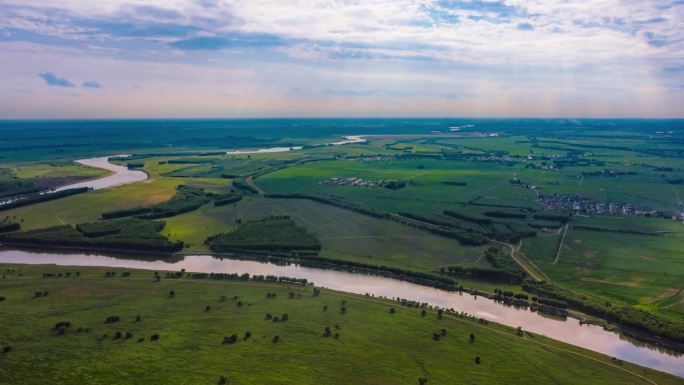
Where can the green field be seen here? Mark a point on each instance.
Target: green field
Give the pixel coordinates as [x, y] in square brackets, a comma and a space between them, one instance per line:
[491, 182]
[373, 345]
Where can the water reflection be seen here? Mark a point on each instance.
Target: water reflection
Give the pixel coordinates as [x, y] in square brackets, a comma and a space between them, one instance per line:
[570, 330]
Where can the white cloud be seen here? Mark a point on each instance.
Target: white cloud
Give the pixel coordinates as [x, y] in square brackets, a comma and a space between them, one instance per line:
[608, 51]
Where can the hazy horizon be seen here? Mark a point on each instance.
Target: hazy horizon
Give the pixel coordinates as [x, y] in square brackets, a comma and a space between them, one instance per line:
[194, 59]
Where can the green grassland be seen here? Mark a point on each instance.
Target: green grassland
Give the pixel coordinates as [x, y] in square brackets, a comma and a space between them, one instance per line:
[469, 175]
[373, 345]
[640, 270]
[88, 207]
[343, 234]
[61, 169]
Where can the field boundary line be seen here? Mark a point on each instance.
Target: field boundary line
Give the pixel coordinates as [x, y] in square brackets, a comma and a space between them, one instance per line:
[560, 244]
[519, 261]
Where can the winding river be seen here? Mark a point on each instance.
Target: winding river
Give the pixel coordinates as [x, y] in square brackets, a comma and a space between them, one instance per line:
[121, 175]
[587, 336]
[570, 331]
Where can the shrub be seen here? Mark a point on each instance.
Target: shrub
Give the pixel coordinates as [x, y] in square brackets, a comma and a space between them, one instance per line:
[274, 233]
[62, 324]
[112, 319]
[123, 234]
[154, 337]
[229, 340]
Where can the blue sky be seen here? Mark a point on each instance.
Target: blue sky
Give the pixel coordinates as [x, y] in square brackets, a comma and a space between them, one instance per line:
[264, 58]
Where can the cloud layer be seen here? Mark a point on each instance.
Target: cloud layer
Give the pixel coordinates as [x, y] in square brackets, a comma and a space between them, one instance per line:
[335, 57]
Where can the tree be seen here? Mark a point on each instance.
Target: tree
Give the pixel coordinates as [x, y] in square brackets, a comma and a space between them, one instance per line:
[172, 293]
[276, 339]
[392, 311]
[422, 381]
[519, 331]
[284, 317]
[229, 340]
[477, 360]
[222, 381]
[247, 336]
[423, 313]
[327, 332]
[325, 307]
[207, 308]
[472, 338]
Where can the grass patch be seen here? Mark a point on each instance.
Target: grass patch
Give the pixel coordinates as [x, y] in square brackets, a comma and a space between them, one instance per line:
[374, 344]
[273, 233]
[124, 234]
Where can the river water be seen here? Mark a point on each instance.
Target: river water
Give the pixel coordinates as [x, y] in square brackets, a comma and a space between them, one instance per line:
[347, 140]
[121, 175]
[587, 336]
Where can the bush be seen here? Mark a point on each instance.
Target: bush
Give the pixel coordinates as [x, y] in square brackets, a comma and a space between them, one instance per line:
[226, 200]
[37, 198]
[504, 214]
[7, 226]
[273, 233]
[229, 340]
[62, 324]
[468, 218]
[112, 319]
[123, 234]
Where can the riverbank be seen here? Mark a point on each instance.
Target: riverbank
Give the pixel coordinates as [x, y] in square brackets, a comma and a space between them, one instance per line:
[570, 331]
[198, 317]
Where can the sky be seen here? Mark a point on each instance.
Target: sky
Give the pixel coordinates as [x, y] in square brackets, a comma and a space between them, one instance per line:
[63, 59]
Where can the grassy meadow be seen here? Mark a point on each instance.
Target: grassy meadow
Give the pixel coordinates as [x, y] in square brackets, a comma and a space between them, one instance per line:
[626, 260]
[367, 343]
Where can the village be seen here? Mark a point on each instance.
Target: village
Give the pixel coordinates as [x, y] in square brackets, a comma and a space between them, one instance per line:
[583, 205]
[392, 184]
